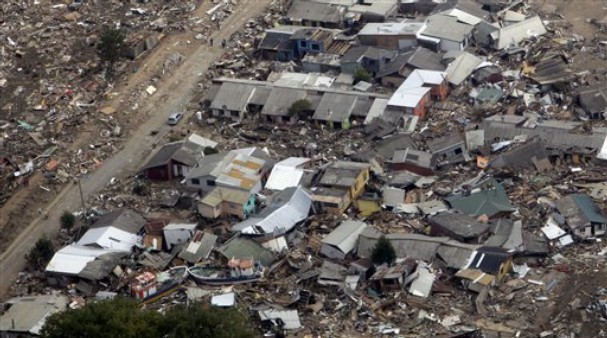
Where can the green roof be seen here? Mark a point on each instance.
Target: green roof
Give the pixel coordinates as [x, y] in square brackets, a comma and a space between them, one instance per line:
[588, 208]
[487, 202]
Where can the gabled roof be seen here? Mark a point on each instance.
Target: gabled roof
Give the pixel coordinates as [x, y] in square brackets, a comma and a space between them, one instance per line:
[423, 58]
[221, 194]
[109, 238]
[305, 10]
[421, 77]
[446, 27]
[391, 28]
[342, 173]
[579, 211]
[28, 314]
[460, 224]
[199, 247]
[335, 107]
[240, 247]
[489, 201]
[517, 32]
[462, 67]
[72, 259]
[287, 208]
[356, 54]
[233, 96]
[163, 155]
[280, 100]
[124, 219]
[345, 236]
[408, 97]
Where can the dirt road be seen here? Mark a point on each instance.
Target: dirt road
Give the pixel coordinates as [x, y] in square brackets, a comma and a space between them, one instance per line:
[174, 93]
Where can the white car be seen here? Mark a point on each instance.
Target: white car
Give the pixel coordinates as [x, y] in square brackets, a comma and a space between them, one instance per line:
[174, 118]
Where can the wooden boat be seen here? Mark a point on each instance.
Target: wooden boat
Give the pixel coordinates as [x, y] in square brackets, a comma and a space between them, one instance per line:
[149, 287]
[238, 271]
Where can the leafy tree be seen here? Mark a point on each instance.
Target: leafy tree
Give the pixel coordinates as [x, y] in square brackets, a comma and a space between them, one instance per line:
[123, 318]
[362, 74]
[383, 251]
[67, 220]
[120, 317]
[200, 321]
[300, 108]
[40, 254]
[111, 46]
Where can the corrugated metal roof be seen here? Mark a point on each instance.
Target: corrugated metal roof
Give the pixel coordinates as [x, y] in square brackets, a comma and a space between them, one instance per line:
[283, 177]
[280, 100]
[344, 237]
[391, 28]
[28, 314]
[221, 194]
[335, 107]
[446, 27]
[109, 238]
[281, 215]
[462, 67]
[200, 247]
[123, 219]
[517, 32]
[73, 258]
[239, 247]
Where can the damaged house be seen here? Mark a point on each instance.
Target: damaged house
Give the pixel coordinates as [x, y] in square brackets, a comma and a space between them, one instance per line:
[463, 228]
[176, 159]
[584, 219]
[342, 241]
[285, 210]
[390, 35]
[223, 202]
[340, 184]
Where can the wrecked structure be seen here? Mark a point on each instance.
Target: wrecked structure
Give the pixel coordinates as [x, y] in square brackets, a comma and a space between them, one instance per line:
[463, 150]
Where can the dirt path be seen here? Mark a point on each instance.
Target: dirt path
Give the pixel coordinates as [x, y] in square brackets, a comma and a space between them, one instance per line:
[174, 92]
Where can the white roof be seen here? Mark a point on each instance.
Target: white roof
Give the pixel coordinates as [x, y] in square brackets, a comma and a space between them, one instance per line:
[73, 258]
[419, 77]
[224, 300]
[392, 28]
[109, 238]
[294, 162]
[463, 16]
[408, 97]
[515, 33]
[284, 217]
[289, 317]
[344, 237]
[283, 177]
[422, 285]
[201, 141]
[552, 230]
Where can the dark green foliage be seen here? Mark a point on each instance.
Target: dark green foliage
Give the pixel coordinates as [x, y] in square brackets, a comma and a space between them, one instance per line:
[40, 254]
[300, 108]
[67, 220]
[362, 74]
[111, 45]
[123, 318]
[383, 252]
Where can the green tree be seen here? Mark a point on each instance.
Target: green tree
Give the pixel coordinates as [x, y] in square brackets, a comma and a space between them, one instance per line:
[362, 74]
[200, 321]
[67, 220]
[123, 318]
[300, 108]
[40, 254]
[383, 251]
[120, 317]
[111, 46]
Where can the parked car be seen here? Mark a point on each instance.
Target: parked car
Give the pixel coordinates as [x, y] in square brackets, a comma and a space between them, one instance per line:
[174, 118]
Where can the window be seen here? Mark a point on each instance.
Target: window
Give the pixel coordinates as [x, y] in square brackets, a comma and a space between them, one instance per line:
[315, 46]
[330, 205]
[302, 44]
[458, 151]
[211, 183]
[195, 181]
[235, 113]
